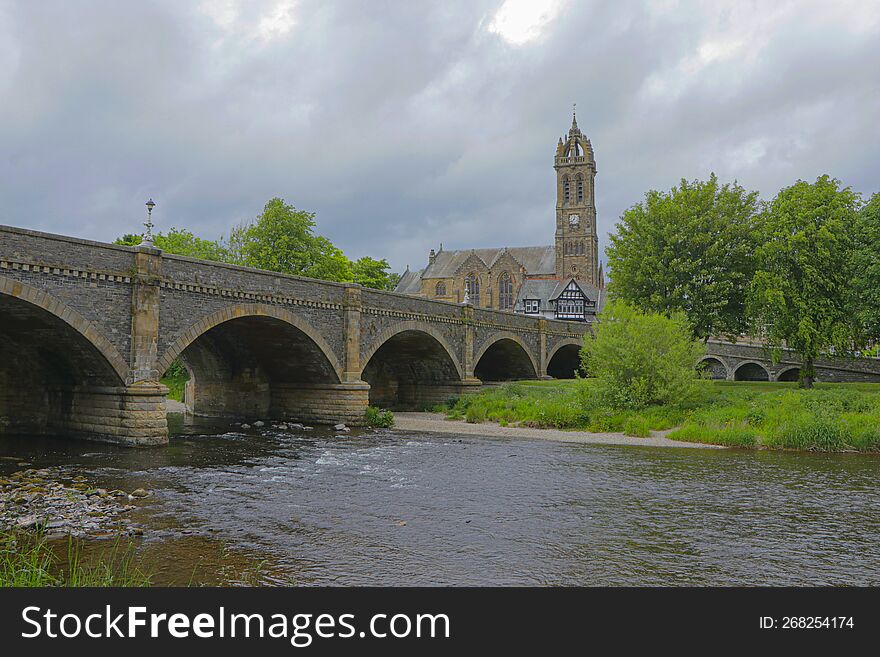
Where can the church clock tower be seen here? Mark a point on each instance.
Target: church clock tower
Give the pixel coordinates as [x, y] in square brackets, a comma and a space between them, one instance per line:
[576, 241]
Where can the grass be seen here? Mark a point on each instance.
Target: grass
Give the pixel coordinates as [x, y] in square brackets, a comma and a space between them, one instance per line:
[832, 417]
[27, 560]
[176, 383]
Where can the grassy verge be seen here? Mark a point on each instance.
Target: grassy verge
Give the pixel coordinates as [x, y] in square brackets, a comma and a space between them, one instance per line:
[832, 417]
[27, 560]
[176, 382]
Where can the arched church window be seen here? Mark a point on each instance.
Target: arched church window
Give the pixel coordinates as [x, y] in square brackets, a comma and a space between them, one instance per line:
[566, 190]
[580, 189]
[505, 292]
[472, 285]
[440, 289]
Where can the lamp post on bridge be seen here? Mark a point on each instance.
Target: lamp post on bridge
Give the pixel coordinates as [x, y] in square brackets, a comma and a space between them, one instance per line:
[147, 239]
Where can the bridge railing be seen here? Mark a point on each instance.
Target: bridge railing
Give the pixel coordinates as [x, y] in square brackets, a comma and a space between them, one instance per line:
[185, 270]
[46, 249]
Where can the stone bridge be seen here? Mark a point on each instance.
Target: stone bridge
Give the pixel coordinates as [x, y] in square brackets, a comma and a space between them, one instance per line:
[87, 329]
[750, 361]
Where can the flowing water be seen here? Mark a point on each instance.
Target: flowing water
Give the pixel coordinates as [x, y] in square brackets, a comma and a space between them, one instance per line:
[392, 508]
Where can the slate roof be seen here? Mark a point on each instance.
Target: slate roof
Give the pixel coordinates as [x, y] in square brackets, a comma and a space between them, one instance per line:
[537, 260]
[410, 282]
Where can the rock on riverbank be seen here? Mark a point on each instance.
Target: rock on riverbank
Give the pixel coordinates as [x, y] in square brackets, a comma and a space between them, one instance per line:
[43, 499]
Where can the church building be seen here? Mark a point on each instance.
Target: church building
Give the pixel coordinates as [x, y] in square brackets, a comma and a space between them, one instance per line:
[563, 280]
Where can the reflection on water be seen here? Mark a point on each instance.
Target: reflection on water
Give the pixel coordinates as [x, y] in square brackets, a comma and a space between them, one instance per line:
[392, 508]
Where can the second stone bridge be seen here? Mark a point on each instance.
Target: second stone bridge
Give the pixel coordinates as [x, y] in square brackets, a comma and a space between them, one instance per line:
[87, 329]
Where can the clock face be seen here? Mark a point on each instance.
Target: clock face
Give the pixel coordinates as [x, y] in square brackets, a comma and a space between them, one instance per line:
[574, 220]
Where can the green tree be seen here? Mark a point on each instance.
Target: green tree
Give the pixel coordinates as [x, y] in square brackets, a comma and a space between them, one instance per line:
[282, 239]
[182, 242]
[802, 295]
[641, 358]
[689, 249]
[370, 272]
[867, 268]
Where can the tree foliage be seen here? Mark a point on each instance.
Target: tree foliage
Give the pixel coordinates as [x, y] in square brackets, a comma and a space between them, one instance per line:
[370, 272]
[182, 242]
[867, 268]
[802, 294]
[280, 239]
[690, 250]
[641, 358]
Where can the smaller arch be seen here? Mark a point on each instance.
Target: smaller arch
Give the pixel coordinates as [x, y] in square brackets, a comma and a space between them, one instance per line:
[402, 327]
[564, 361]
[580, 188]
[440, 289]
[751, 371]
[790, 374]
[714, 366]
[566, 189]
[503, 340]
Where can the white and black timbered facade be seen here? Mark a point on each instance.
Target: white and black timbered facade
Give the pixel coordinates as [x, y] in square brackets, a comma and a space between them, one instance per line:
[570, 299]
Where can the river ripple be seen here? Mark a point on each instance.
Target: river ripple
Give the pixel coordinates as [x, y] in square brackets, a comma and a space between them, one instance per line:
[407, 509]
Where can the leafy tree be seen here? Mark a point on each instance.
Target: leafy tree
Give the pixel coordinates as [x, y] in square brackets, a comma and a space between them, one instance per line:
[802, 293]
[182, 242]
[282, 239]
[370, 272]
[129, 239]
[689, 249]
[641, 358]
[867, 268]
[393, 280]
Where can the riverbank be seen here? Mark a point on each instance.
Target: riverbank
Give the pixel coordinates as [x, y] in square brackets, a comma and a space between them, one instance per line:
[438, 423]
[833, 417]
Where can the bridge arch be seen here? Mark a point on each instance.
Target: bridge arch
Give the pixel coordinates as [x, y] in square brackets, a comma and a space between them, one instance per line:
[411, 365]
[715, 366]
[257, 360]
[751, 370]
[13, 289]
[503, 358]
[58, 373]
[792, 373]
[230, 313]
[564, 361]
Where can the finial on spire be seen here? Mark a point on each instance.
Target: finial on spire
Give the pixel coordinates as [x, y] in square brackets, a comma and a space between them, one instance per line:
[574, 121]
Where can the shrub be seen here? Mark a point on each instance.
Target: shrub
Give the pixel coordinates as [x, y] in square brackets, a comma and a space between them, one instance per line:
[475, 414]
[378, 418]
[637, 426]
[640, 358]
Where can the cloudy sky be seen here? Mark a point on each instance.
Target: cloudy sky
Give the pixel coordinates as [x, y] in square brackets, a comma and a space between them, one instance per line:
[404, 124]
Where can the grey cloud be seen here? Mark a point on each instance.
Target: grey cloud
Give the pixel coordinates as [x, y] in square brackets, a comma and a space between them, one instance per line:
[405, 124]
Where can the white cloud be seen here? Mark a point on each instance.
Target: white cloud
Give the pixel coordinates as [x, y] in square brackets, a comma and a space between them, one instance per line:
[520, 21]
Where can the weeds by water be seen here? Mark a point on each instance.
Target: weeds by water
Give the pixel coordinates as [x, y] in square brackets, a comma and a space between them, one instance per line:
[831, 417]
[28, 560]
[378, 418]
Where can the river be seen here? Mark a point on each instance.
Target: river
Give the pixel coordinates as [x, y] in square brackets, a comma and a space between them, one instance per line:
[391, 508]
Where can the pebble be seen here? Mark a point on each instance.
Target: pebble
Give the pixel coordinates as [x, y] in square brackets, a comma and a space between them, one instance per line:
[245, 426]
[259, 423]
[47, 499]
[139, 492]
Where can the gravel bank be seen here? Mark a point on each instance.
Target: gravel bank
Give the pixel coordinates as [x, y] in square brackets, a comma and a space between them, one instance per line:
[437, 423]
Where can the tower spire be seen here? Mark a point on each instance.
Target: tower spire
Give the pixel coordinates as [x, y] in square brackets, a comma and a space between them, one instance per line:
[574, 121]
